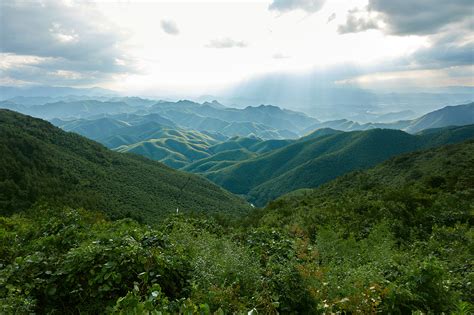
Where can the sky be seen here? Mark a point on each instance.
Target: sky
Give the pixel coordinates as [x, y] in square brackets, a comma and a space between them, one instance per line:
[203, 46]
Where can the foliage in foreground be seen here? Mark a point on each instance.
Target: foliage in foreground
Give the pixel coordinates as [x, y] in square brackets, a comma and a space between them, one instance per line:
[73, 261]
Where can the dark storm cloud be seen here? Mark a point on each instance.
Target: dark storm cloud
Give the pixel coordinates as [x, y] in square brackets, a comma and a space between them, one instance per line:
[309, 6]
[446, 52]
[421, 17]
[67, 37]
[408, 17]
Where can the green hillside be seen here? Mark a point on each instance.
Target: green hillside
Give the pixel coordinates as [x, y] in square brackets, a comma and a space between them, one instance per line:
[402, 228]
[309, 163]
[409, 191]
[40, 161]
[218, 160]
[173, 146]
[394, 239]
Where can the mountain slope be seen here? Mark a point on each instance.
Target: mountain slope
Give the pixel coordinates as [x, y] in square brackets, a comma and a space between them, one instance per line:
[458, 115]
[219, 160]
[77, 109]
[268, 115]
[92, 129]
[309, 163]
[448, 116]
[441, 170]
[40, 161]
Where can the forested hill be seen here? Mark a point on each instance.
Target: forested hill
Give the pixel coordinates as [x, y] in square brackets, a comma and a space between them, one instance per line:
[395, 239]
[41, 162]
[402, 229]
[313, 161]
[444, 170]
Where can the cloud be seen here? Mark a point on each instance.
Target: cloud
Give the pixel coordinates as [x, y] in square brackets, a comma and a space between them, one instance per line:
[64, 38]
[421, 17]
[280, 56]
[357, 21]
[447, 26]
[331, 17]
[24, 69]
[169, 27]
[446, 51]
[408, 17]
[226, 43]
[309, 6]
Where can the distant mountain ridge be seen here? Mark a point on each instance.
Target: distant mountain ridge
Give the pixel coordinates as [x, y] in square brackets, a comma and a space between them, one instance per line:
[457, 115]
[248, 151]
[165, 140]
[447, 116]
[265, 121]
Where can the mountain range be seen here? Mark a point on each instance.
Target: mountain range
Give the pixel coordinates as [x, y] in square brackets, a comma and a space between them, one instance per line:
[447, 116]
[283, 150]
[80, 222]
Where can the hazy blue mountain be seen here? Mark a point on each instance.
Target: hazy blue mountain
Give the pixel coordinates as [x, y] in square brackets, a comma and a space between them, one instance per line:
[51, 91]
[395, 116]
[13, 106]
[74, 109]
[136, 119]
[194, 119]
[458, 115]
[33, 100]
[92, 129]
[316, 93]
[448, 116]
[191, 114]
[133, 101]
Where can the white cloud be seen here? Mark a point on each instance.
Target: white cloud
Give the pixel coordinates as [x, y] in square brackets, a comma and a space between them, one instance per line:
[358, 21]
[169, 27]
[226, 43]
[105, 42]
[280, 56]
[309, 6]
[331, 17]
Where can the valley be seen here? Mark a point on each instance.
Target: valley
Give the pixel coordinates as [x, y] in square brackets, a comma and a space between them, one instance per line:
[259, 153]
[78, 217]
[236, 157]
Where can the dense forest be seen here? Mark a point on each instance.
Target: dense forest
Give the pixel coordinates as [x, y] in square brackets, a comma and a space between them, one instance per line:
[39, 161]
[393, 239]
